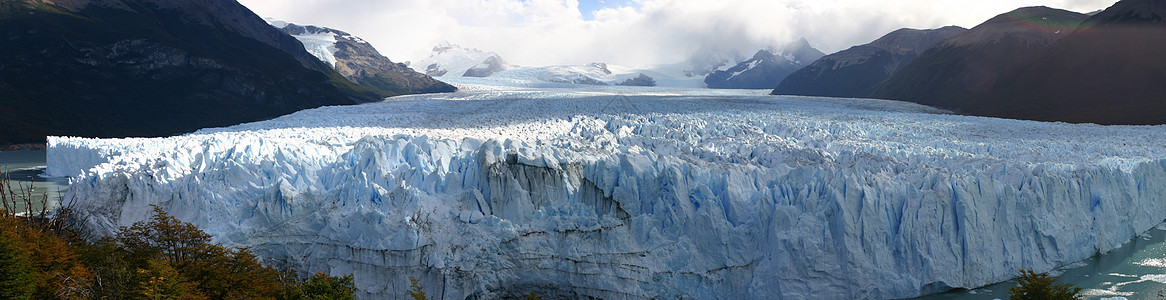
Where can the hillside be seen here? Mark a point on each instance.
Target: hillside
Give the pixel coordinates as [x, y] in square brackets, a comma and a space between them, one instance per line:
[856, 71]
[961, 72]
[116, 68]
[361, 63]
[1110, 72]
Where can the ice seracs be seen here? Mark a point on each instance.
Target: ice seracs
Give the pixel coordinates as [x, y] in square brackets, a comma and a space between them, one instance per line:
[631, 192]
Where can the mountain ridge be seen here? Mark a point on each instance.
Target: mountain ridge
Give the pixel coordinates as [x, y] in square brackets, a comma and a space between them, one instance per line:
[963, 70]
[359, 62]
[1109, 72]
[766, 69]
[120, 68]
[855, 72]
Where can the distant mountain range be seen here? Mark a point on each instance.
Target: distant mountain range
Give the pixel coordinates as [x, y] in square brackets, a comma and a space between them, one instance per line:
[448, 60]
[454, 61]
[856, 71]
[766, 69]
[1034, 63]
[116, 68]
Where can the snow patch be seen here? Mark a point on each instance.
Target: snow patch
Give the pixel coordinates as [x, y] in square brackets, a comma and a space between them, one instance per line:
[322, 45]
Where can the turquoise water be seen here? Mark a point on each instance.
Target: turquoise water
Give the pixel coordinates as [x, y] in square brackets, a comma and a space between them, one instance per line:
[1137, 270]
[24, 168]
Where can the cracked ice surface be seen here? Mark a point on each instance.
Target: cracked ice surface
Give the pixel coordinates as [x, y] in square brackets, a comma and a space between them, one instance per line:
[640, 192]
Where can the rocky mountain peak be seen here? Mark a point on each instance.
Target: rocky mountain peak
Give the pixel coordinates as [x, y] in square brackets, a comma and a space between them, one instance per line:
[360, 62]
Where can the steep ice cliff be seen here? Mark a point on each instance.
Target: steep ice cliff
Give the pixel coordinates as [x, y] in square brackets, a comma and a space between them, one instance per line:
[627, 192]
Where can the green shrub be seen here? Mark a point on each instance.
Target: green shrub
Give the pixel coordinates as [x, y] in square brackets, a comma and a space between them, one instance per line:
[1039, 286]
[321, 286]
[17, 281]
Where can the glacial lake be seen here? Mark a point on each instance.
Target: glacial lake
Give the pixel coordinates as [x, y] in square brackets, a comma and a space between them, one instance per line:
[1137, 270]
[25, 169]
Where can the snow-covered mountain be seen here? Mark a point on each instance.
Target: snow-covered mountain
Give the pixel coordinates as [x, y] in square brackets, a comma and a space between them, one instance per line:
[766, 69]
[598, 74]
[710, 58]
[622, 192]
[454, 63]
[449, 60]
[359, 62]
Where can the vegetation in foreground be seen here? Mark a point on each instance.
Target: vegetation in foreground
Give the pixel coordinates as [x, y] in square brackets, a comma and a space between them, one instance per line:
[1039, 286]
[157, 258]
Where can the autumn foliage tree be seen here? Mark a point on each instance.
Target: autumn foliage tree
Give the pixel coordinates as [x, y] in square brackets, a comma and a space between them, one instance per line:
[218, 272]
[158, 258]
[45, 257]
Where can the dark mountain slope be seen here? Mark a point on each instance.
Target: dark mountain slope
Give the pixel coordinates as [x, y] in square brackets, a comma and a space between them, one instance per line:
[1111, 71]
[118, 68]
[960, 72]
[856, 71]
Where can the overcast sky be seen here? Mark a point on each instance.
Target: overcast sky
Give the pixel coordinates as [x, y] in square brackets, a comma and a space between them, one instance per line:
[631, 32]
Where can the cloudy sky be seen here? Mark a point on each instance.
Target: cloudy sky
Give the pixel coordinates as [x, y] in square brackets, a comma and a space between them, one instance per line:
[631, 32]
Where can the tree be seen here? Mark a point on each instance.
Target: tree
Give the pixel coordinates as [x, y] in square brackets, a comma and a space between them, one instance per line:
[161, 281]
[166, 236]
[56, 269]
[218, 272]
[158, 258]
[1039, 286]
[415, 289]
[322, 286]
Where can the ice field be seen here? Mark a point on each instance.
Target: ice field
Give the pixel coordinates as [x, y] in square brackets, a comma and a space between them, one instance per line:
[629, 192]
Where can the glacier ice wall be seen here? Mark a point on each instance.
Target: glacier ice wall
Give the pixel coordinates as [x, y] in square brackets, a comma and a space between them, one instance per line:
[640, 193]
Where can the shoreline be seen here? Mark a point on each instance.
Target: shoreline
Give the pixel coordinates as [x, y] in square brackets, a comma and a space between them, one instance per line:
[24, 147]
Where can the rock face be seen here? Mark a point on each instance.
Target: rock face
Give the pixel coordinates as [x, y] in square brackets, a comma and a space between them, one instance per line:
[491, 65]
[962, 71]
[856, 71]
[360, 63]
[641, 80]
[1111, 71]
[150, 68]
[766, 69]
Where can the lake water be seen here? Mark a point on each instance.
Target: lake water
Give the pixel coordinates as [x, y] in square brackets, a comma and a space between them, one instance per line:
[1137, 270]
[24, 168]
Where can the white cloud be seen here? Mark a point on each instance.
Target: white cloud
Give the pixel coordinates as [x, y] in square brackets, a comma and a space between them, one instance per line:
[539, 32]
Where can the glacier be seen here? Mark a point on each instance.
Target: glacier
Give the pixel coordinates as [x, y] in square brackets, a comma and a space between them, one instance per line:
[631, 192]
